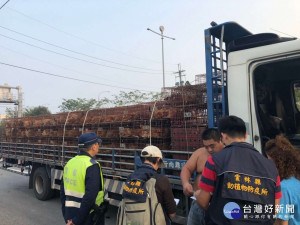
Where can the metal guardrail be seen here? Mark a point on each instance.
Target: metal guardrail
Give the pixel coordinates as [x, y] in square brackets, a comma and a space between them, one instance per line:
[115, 161]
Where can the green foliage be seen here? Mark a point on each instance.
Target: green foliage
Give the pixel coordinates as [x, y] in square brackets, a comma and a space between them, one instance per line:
[32, 111]
[134, 97]
[36, 111]
[102, 102]
[11, 113]
[77, 104]
[122, 99]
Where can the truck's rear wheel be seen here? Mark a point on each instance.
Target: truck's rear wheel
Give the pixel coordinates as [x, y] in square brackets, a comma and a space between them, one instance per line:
[42, 184]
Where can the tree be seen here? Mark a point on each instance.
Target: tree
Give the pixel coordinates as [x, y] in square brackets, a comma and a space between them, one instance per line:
[134, 97]
[78, 104]
[11, 113]
[31, 111]
[102, 102]
[36, 111]
[122, 99]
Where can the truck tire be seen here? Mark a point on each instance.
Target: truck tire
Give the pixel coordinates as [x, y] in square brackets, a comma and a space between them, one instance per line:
[42, 184]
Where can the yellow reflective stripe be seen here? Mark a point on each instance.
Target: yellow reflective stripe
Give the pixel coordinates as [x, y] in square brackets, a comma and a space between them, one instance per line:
[101, 174]
[72, 204]
[100, 196]
[74, 193]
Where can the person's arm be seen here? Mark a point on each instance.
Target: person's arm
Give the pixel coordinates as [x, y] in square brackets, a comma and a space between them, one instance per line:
[280, 215]
[202, 198]
[282, 197]
[281, 222]
[92, 187]
[277, 203]
[163, 188]
[62, 198]
[172, 215]
[207, 184]
[278, 193]
[186, 173]
[70, 222]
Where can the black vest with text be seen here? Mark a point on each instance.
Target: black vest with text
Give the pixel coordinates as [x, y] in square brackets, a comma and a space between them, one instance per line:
[245, 187]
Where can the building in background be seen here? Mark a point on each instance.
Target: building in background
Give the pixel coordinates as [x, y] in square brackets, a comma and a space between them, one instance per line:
[7, 96]
[200, 78]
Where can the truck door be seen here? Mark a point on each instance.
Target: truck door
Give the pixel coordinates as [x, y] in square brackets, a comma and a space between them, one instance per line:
[275, 98]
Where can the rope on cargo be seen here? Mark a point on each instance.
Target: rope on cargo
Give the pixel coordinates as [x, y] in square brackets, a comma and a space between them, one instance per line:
[153, 109]
[87, 112]
[151, 120]
[63, 142]
[121, 128]
[184, 115]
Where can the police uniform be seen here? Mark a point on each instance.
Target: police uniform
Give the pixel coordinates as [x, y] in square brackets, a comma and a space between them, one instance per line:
[82, 186]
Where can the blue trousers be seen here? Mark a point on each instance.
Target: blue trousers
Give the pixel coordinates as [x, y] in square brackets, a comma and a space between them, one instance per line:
[196, 215]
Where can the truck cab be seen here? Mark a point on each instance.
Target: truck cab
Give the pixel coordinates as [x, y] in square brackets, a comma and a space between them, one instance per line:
[255, 77]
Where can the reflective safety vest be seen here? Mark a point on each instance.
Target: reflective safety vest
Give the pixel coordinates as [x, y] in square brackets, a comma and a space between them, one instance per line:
[74, 181]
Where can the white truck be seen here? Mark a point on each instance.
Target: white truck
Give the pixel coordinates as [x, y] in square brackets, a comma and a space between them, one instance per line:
[255, 77]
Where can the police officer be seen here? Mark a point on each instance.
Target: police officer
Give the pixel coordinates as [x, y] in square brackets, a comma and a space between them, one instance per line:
[238, 180]
[82, 188]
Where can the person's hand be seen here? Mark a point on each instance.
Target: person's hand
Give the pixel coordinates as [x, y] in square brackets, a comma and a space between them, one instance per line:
[188, 189]
[70, 222]
[196, 193]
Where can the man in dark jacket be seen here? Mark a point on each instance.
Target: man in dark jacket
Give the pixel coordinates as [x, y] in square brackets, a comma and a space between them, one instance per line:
[82, 187]
[151, 157]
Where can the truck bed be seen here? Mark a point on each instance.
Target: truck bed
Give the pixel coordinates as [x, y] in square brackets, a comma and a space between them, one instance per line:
[117, 163]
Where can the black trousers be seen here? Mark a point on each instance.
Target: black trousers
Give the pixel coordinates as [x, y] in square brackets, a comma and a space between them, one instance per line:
[89, 220]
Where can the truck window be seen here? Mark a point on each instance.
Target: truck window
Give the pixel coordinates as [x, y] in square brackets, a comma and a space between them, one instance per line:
[276, 89]
[297, 95]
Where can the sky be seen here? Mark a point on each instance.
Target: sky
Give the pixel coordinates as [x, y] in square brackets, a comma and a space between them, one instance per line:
[105, 47]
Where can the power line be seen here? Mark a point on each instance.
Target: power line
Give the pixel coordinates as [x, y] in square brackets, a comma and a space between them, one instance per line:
[87, 61]
[180, 75]
[61, 66]
[70, 78]
[82, 39]
[80, 53]
[283, 33]
[4, 4]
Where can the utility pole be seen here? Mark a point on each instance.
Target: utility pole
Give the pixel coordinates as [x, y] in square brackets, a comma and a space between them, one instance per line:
[180, 75]
[20, 102]
[161, 34]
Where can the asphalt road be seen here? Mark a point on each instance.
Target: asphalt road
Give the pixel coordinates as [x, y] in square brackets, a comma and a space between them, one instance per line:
[18, 205]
